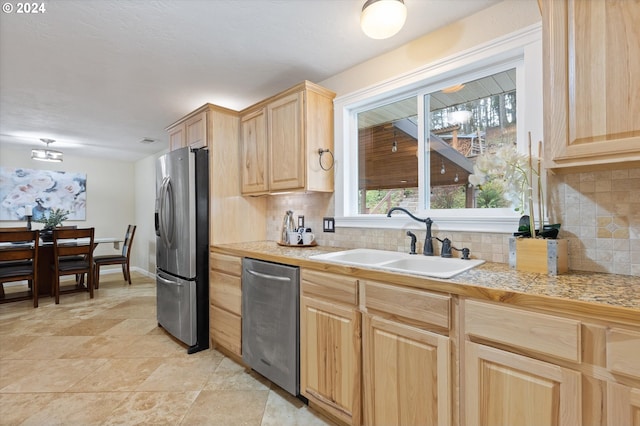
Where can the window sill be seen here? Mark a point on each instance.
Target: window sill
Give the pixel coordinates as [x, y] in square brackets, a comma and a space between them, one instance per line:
[501, 225]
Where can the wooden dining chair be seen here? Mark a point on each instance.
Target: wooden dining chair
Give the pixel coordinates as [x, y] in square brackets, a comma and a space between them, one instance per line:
[76, 244]
[117, 259]
[15, 228]
[19, 262]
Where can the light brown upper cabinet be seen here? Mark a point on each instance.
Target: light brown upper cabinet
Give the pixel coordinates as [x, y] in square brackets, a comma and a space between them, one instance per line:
[194, 129]
[281, 137]
[254, 152]
[591, 83]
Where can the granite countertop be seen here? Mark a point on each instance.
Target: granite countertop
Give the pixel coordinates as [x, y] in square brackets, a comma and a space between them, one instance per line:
[578, 291]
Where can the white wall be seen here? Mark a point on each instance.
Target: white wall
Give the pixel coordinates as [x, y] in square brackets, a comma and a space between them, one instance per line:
[144, 255]
[486, 25]
[110, 193]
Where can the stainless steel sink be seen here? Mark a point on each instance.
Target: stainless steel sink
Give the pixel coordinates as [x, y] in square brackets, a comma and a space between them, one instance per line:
[394, 261]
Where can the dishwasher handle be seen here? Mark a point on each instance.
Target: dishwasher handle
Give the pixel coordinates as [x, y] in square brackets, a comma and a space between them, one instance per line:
[267, 276]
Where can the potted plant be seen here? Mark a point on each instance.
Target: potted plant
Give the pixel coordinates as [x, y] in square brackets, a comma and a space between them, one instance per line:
[53, 220]
[533, 249]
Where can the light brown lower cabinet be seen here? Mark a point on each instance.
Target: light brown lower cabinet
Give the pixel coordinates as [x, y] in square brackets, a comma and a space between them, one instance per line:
[623, 405]
[225, 302]
[406, 374]
[503, 388]
[330, 345]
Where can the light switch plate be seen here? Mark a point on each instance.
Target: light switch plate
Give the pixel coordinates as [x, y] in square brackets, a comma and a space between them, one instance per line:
[300, 221]
[328, 224]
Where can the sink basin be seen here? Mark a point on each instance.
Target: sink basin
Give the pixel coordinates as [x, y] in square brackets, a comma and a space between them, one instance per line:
[360, 256]
[394, 261]
[432, 266]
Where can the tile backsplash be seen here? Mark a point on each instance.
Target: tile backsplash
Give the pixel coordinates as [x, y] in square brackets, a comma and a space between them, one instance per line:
[599, 212]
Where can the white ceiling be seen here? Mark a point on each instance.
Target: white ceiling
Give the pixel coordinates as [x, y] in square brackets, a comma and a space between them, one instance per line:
[100, 75]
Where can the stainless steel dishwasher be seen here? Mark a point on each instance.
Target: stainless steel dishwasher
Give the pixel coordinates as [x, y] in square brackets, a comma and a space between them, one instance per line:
[270, 321]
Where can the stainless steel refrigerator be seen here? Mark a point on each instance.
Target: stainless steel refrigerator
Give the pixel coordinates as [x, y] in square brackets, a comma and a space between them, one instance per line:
[182, 246]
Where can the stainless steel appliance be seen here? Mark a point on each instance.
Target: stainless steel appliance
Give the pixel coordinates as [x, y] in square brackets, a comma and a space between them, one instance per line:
[182, 246]
[270, 321]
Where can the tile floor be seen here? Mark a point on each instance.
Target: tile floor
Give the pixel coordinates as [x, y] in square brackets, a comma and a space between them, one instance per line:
[106, 362]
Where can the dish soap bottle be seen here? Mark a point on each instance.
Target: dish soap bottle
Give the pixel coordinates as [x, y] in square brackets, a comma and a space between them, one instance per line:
[287, 225]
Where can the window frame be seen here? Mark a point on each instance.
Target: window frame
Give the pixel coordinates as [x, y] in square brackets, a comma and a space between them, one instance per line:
[522, 49]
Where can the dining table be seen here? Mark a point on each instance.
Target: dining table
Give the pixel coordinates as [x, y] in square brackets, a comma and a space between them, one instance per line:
[45, 261]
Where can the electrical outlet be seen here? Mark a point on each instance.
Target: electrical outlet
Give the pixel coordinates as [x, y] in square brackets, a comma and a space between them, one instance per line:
[300, 222]
[328, 224]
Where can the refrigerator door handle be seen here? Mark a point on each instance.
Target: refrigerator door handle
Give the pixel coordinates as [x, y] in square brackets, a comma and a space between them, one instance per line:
[169, 282]
[166, 229]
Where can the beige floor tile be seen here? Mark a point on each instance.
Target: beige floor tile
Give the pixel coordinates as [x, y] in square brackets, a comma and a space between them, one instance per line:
[88, 327]
[50, 347]
[180, 374]
[37, 326]
[132, 327]
[9, 345]
[152, 408]
[56, 375]
[118, 375]
[232, 376]
[283, 409]
[104, 360]
[69, 409]
[229, 407]
[15, 408]
[141, 308]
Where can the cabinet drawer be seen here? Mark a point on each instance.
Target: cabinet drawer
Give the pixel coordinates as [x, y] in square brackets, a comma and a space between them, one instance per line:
[419, 305]
[338, 288]
[225, 291]
[226, 329]
[229, 264]
[623, 352]
[546, 334]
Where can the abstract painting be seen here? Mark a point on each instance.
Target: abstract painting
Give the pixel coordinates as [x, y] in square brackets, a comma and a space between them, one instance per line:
[42, 191]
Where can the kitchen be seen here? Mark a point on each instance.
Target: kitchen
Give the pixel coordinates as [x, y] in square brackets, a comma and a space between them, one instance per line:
[585, 192]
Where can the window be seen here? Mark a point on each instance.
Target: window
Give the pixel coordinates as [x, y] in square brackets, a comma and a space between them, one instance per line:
[414, 143]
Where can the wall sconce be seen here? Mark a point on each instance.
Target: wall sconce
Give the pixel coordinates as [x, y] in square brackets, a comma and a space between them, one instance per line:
[443, 170]
[394, 145]
[46, 154]
[382, 19]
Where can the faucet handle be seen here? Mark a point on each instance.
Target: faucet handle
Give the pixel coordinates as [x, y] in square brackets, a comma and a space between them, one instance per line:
[465, 252]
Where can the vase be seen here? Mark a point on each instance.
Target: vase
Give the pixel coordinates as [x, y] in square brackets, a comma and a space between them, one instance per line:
[46, 235]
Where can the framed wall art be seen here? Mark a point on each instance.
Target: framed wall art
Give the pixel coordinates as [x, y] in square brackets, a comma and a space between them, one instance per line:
[42, 191]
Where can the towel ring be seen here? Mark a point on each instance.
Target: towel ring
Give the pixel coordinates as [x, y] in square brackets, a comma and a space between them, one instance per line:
[322, 151]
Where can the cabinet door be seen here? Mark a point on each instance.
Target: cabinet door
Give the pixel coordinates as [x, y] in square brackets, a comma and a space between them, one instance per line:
[225, 297]
[286, 143]
[591, 84]
[503, 388]
[254, 153]
[623, 405]
[329, 357]
[406, 375]
[177, 137]
[196, 130]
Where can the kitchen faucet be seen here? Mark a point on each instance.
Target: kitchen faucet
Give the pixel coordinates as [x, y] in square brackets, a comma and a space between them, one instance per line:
[428, 241]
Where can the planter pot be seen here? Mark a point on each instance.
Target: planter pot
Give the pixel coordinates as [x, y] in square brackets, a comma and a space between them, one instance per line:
[540, 255]
[46, 235]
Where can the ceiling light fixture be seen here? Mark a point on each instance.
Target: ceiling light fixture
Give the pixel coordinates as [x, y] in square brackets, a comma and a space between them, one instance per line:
[453, 89]
[382, 19]
[46, 154]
